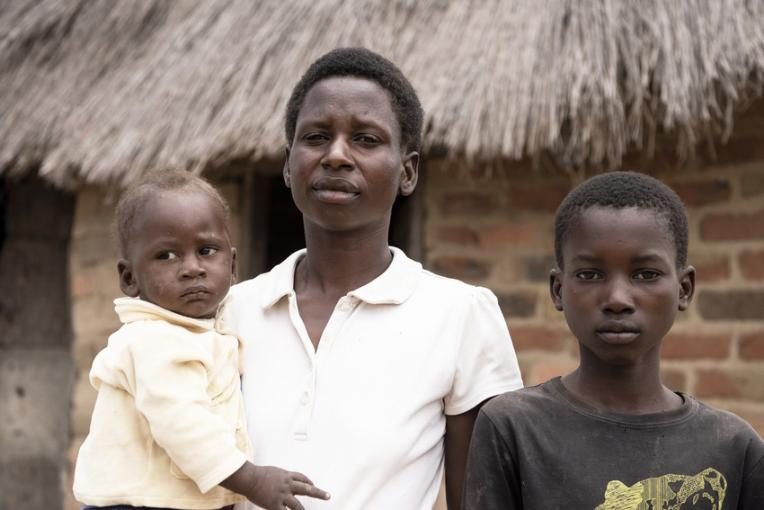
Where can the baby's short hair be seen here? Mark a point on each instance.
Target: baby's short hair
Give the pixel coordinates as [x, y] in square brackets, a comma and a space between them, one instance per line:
[620, 190]
[362, 63]
[135, 197]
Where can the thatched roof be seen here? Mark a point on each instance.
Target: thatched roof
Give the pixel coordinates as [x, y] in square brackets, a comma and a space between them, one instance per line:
[102, 90]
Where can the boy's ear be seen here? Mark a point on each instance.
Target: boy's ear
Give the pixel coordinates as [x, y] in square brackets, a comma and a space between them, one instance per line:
[409, 174]
[127, 281]
[555, 287]
[686, 287]
[285, 170]
[234, 267]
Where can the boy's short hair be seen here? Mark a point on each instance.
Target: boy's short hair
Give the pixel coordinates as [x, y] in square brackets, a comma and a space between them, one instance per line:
[620, 190]
[135, 197]
[362, 63]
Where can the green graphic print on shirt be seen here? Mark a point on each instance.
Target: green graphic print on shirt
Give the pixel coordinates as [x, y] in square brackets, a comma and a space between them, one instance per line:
[668, 492]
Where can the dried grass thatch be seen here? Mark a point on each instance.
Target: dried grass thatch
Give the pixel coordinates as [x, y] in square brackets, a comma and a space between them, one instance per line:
[102, 90]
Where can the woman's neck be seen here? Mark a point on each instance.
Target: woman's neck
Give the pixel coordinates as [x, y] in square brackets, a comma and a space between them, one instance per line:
[337, 263]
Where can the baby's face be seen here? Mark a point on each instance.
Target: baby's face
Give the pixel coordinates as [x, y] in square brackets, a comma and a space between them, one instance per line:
[179, 253]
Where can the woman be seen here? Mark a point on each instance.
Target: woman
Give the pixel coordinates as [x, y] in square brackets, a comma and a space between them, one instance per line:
[362, 369]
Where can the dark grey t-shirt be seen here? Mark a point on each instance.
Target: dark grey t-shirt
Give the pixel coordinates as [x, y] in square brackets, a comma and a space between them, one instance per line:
[541, 449]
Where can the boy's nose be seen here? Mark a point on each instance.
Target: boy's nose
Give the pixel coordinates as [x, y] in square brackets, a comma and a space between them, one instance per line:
[618, 297]
[337, 154]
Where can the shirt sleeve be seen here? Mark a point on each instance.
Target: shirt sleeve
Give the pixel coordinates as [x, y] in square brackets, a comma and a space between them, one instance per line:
[752, 493]
[486, 363]
[490, 482]
[170, 391]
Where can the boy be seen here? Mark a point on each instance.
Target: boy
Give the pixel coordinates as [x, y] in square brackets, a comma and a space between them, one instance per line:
[168, 424]
[609, 435]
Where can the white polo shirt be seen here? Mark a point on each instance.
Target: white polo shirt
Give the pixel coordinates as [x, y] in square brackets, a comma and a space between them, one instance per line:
[363, 415]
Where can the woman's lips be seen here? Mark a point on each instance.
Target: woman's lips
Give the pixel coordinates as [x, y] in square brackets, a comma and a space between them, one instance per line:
[334, 190]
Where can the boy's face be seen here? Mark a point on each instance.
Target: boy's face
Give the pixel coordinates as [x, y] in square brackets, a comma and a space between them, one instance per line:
[179, 253]
[619, 287]
[345, 166]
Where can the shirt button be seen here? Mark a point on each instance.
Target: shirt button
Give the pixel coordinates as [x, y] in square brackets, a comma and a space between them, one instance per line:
[305, 398]
[344, 305]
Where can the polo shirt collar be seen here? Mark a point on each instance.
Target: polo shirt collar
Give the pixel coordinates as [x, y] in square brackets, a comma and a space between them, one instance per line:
[394, 286]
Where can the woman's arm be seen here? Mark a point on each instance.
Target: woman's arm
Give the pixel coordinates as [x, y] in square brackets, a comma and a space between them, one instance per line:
[457, 442]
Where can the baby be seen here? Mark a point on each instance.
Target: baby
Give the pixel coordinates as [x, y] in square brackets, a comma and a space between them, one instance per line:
[168, 429]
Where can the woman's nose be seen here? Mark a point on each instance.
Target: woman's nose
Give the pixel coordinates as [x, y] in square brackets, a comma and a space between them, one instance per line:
[338, 154]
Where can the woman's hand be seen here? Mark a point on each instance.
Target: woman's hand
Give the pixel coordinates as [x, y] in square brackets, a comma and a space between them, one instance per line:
[272, 488]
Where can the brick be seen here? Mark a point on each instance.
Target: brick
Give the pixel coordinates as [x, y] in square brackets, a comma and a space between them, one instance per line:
[543, 338]
[699, 193]
[674, 379]
[712, 269]
[537, 267]
[542, 197]
[510, 234]
[733, 226]
[549, 368]
[518, 304]
[751, 346]
[460, 235]
[467, 204]
[687, 345]
[752, 264]
[731, 305]
[463, 268]
[752, 183]
[736, 382]
[740, 149]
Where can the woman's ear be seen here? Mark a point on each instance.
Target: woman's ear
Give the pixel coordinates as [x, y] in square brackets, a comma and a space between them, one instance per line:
[127, 281]
[555, 287]
[409, 174]
[285, 170]
[686, 287]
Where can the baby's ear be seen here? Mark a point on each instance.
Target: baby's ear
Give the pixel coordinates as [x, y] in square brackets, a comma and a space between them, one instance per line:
[234, 267]
[127, 281]
[555, 287]
[686, 287]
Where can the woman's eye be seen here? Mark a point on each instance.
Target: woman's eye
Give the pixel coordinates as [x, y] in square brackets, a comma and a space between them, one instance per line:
[166, 255]
[367, 139]
[588, 275]
[646, 274]
[208, 250]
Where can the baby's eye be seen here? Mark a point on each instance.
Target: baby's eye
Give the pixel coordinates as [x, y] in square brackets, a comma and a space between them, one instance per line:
[315, 138]
[208, 250]
[166, 255]
[588, 274]
[646, 274]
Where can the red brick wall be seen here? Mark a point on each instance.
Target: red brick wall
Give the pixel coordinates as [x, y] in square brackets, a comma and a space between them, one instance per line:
[498, 232]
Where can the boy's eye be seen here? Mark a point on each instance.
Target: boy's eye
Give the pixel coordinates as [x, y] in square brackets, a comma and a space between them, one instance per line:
[646, 274]
[588, 274]
[208, 250]
[166, 255]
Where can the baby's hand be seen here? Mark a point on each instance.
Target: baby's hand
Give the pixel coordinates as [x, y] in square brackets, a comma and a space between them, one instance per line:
[275, 489]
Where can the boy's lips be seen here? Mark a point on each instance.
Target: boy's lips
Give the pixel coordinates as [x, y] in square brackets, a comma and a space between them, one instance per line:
[617, 332]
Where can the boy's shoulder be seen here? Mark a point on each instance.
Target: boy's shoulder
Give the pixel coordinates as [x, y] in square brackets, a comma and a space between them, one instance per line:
[525, 404]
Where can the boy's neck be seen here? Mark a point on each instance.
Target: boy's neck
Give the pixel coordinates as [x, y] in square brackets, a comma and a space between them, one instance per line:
[625, 389]
[338, 264]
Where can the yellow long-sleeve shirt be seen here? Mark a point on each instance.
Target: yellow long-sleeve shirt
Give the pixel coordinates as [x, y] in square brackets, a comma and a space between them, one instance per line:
[168, 424]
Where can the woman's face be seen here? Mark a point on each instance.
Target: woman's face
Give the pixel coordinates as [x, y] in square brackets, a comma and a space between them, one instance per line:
[345, 166]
